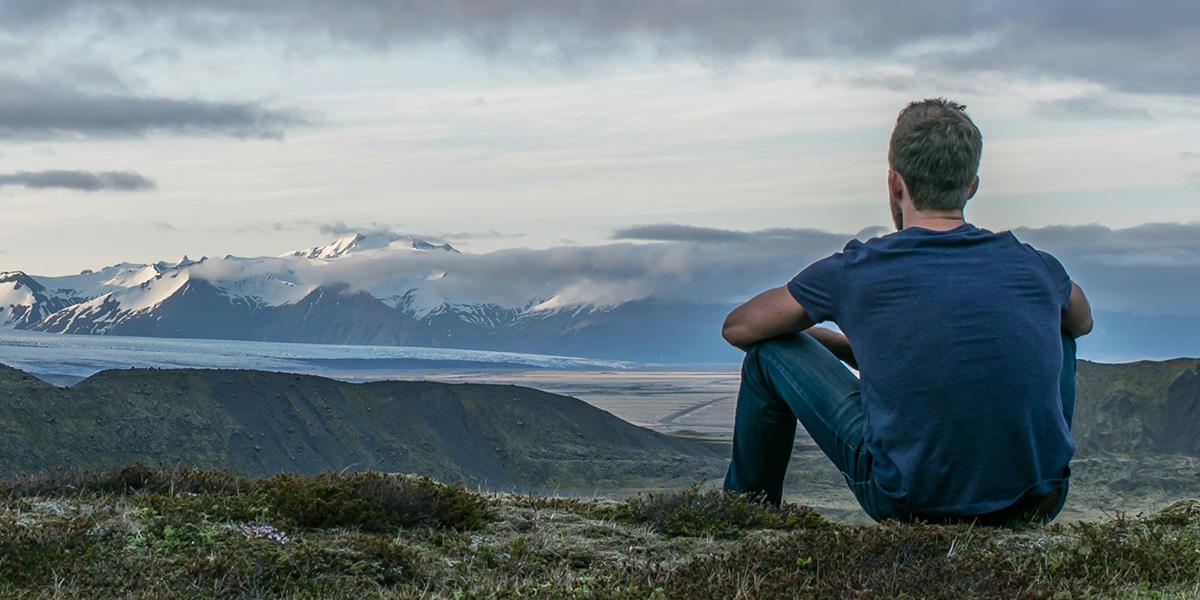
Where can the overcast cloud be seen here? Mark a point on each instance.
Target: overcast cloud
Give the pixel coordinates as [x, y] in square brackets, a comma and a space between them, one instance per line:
[1142, 47]
[34, 111]
[84, 181]
[1097, 106]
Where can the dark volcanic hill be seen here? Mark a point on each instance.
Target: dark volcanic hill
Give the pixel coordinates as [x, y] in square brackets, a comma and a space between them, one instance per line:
[258, 423]
[1139, 407]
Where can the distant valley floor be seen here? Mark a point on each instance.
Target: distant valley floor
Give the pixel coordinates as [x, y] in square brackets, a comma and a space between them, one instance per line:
[667, 401]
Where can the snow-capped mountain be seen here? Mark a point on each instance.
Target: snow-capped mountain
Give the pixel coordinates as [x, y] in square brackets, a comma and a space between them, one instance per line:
[362, 289]
[360, 242]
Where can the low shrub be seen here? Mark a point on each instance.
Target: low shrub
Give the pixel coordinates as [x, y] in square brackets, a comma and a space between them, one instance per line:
[372, 501]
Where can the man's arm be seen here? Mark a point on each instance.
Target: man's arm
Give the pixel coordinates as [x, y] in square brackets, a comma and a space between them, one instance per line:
[775, 312]
[771, 313]
[1077, 319]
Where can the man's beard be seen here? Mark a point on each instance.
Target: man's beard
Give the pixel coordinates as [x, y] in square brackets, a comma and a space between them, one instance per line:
[897, 214]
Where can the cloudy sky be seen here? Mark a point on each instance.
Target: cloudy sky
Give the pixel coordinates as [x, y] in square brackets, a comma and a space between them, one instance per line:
[143, 130]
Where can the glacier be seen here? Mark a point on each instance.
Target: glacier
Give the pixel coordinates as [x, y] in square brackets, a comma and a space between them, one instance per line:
[83, 355]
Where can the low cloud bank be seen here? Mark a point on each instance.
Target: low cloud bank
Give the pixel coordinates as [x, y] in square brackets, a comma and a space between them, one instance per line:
[1149, 269]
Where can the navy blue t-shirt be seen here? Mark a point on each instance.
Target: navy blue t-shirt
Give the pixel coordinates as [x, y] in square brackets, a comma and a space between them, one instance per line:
[957, 338]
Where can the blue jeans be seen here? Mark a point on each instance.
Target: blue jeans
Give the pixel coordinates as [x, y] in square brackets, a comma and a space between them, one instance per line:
[792, 377]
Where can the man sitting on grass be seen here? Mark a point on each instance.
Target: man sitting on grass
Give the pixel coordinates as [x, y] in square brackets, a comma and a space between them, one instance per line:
[964, 341]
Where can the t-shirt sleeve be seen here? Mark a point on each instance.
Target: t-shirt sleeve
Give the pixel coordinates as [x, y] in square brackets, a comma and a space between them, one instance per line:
[1058, 274]
[819, 287]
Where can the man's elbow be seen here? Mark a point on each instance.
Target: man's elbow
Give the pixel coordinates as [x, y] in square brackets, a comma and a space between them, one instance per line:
[736, 334]
[1078, 326]
[1083, 328]
[1077, 319]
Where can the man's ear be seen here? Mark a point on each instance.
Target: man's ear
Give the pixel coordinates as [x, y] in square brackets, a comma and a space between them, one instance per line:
[896, 186]
[974, 188]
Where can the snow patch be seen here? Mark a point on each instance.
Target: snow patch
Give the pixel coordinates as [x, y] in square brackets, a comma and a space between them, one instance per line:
[14, 293]
[153, 292]
[417, 303]
[91, 284]
[266, 289]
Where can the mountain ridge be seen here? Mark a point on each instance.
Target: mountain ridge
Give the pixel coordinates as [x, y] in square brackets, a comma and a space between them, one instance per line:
[258, 423]
[348, 292]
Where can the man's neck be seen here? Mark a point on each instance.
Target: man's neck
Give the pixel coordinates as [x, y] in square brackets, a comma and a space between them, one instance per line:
[934, 221]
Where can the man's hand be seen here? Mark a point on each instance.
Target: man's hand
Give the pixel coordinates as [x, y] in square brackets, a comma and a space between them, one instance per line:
[771, 313]
[836, 343]
[1077, 319]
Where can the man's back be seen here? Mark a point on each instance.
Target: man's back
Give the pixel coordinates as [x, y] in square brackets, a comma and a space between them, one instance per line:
[957, 334]
[964, 339]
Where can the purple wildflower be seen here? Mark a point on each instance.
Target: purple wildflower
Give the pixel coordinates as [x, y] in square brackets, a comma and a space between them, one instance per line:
[265, 531]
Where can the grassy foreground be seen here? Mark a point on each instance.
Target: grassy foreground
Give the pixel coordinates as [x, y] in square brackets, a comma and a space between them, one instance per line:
[139, 532]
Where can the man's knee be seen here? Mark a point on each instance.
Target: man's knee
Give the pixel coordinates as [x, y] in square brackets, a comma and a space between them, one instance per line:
[788, 343]
[791, 349]
[760, 354]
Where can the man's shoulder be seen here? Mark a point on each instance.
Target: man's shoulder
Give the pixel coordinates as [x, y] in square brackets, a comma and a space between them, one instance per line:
[1051, 261]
